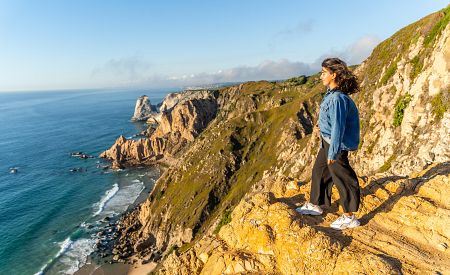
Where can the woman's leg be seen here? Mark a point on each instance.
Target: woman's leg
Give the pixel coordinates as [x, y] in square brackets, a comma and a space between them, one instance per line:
[346, 182]
[321, 180]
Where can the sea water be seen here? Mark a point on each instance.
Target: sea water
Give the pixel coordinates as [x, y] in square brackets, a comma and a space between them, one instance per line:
[49, 214]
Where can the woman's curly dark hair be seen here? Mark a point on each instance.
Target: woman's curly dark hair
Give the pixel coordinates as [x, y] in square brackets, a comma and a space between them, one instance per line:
[345, 79]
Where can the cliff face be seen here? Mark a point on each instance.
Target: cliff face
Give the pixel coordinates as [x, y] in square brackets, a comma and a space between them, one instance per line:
[173, 99]
[405, 124]
[226, 205]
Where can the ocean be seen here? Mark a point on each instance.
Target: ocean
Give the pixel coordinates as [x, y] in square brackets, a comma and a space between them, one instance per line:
[53, 206]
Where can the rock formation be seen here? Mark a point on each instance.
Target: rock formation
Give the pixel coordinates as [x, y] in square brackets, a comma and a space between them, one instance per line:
[143, 109]
[177, 126]
[173, 99]
[242, 163]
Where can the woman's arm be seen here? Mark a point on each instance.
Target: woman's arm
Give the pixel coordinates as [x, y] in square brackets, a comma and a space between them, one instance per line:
[338, 116]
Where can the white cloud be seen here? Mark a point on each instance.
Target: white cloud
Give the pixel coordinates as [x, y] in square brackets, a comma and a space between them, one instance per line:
[361, 49]
[302, 27]
[356, 52]
[133, 71]
[267, 70]
[132, 68]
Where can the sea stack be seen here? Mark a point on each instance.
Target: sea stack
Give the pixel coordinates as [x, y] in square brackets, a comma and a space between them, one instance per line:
[143, 109]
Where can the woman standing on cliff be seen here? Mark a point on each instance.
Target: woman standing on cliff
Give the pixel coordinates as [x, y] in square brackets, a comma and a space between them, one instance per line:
[339, 131]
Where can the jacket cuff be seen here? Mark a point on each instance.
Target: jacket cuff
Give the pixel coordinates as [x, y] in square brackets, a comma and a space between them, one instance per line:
[331, 156]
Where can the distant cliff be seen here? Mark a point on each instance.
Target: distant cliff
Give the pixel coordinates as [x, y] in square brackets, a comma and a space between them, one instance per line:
[143, 109]
[182, 117]
[241, 163]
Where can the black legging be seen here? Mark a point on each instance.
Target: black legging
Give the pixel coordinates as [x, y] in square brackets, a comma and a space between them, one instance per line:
[339, 173]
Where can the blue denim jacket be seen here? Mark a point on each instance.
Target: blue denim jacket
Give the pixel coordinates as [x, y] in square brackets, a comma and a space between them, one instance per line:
[339, 122]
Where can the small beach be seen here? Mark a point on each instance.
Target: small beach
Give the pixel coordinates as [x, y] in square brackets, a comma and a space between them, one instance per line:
[116, 269]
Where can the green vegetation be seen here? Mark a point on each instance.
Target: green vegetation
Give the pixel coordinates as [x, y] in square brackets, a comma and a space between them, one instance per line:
[185, 247]
[400, 107]
[417, 66]
[370, 147]
[444, 19]
[396, 47]
[299, 80]
[387, 165]
[226, 219]
[172, 249]
[389, 73]
[440, 104]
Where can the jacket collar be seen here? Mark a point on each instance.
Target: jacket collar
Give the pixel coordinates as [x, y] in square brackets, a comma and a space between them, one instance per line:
[332, 90]
[329, 91]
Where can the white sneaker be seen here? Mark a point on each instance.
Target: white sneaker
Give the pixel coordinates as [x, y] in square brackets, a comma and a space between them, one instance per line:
[310, 209]
[344, 222]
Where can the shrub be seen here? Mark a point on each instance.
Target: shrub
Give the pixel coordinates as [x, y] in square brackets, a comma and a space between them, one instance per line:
[439, 105]
[370, 148]
[400, 107]
[417, 65]
[299, 80]
[226, 219]
[172, 249]
[389, 73]
[387, 165]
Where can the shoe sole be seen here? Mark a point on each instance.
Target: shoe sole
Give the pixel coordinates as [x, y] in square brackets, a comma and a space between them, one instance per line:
[348, 226]
[308, 212]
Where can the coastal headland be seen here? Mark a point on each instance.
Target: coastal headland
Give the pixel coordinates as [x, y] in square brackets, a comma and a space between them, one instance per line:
[238, 162]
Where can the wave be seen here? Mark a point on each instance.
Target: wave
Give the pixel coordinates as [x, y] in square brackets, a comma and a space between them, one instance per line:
[76, 256]
[124, 198]
[108, 195]
[65, 245]
[74, 252]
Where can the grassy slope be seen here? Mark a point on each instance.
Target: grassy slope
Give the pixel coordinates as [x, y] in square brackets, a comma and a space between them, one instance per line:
[230, 155]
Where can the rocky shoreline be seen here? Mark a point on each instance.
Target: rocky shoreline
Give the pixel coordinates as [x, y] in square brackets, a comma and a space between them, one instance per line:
[105, 257]
[113, 251]
[173, 133]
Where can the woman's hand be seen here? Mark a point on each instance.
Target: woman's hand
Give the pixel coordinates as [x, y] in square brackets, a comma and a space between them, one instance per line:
[331, 161]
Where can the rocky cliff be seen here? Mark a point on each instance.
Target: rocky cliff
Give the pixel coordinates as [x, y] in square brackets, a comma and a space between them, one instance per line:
[226, 204]
[180, 120]
[143, 109]
[404, 230]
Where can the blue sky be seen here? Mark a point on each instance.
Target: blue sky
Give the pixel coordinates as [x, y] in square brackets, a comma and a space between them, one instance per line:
[59, 44]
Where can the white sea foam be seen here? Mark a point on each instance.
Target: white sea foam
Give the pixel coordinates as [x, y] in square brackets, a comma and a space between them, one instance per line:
[108, 196]
[124, 197]
[65, 245]
[73, 254]
[76, 255]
